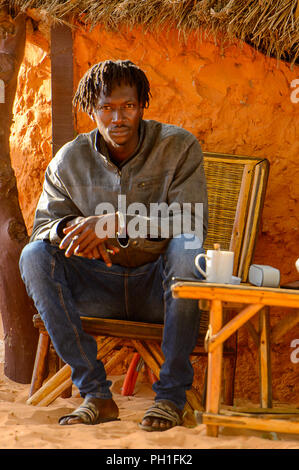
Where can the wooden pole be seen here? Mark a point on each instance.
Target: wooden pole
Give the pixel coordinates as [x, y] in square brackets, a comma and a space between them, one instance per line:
[265, 359]
[20, 336]
[214, 367]
[62, 85]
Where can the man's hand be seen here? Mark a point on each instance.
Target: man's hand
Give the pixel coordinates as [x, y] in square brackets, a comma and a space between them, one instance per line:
[87, 236]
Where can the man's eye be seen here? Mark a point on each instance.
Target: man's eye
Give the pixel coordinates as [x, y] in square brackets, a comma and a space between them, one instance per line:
[130, 105]
[105, 108]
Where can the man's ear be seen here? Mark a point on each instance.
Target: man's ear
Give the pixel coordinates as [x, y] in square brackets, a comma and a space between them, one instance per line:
[141, 112]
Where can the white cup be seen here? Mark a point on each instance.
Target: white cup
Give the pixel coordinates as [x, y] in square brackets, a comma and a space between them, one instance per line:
[219, 266]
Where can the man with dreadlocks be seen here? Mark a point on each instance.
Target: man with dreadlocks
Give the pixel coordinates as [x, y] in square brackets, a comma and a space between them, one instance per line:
[75, 266]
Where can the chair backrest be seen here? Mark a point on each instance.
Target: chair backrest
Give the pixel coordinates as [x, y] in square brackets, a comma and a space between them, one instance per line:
[236, 190]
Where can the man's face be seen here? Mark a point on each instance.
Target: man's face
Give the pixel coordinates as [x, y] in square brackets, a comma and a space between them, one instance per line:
[117, 117]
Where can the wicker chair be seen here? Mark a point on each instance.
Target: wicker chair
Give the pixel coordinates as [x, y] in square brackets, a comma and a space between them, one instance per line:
[236, 190]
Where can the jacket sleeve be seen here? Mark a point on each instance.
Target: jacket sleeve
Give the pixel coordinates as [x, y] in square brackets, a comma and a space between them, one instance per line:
[54, 210]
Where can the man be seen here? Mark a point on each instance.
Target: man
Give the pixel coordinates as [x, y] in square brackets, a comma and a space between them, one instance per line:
[91, 254]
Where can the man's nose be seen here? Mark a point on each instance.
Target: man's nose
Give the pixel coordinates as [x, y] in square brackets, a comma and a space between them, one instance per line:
[118, 115]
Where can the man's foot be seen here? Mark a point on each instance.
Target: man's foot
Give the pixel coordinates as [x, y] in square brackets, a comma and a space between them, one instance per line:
[161, 416]
[92, 411]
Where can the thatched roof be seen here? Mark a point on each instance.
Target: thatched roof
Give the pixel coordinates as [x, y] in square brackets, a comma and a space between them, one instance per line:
[272, 26]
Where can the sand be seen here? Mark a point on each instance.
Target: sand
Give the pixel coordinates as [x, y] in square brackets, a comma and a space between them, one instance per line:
[31, 427]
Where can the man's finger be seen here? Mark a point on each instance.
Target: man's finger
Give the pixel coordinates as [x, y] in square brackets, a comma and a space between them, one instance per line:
[76, 235]
[91, 245]
[85, 244]
[74, 242]
[96, 253]
[105, 255]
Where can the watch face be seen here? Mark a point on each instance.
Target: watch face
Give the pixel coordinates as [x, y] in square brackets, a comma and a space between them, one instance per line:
[123, 241]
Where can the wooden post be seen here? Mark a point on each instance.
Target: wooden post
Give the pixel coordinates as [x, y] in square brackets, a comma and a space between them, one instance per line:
[265, 360]
[214, 367]
[20, 336]
[62, 85]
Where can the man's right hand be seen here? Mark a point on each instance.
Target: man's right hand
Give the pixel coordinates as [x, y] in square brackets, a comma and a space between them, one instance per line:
[81, 238]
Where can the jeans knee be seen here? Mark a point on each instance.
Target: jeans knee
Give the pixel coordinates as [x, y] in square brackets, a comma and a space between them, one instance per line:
[180, 255]
[33, 257]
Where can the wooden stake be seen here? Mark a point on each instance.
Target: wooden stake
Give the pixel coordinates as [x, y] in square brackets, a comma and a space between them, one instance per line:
[214, 366]
[265, 360]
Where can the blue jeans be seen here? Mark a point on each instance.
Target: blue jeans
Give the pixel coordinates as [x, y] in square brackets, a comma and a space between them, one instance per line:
[63, 289]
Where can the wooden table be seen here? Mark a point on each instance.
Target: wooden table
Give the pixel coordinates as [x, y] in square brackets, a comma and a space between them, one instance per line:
[251, 300]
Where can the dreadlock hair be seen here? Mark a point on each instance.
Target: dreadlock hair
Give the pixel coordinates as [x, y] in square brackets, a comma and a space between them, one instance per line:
[104, 76]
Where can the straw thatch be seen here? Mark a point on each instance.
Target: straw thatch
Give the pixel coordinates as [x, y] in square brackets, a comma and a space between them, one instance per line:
[272, 26]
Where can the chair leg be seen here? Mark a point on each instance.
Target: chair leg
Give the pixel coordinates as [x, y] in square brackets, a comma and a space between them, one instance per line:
[38, 374]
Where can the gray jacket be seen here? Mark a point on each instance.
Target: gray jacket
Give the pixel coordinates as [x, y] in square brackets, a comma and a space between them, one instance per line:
[166, 167]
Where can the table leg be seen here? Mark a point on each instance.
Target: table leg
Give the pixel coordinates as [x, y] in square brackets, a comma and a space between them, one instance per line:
[265, 359]
[214, 367]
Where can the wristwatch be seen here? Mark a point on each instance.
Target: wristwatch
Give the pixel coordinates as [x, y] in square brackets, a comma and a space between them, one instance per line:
[121, 234]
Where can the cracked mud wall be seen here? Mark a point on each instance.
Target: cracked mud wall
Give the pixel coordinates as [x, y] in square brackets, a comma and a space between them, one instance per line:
[234, 99]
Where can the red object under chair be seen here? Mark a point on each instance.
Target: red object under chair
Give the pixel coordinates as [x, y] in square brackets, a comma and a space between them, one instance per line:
[132, 374]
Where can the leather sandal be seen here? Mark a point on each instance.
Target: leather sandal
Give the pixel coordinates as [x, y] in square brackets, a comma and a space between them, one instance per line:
[89, 412]
[163, 410]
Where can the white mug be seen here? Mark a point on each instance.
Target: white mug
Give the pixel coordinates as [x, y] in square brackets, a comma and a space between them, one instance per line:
[219, 266]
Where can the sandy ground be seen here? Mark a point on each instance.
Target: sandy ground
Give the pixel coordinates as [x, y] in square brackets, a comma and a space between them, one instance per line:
[30, 427]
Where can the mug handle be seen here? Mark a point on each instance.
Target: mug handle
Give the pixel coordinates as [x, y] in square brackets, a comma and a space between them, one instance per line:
[196, 262]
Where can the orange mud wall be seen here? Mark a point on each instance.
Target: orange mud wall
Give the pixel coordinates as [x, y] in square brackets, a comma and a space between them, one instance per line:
[234, 99]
